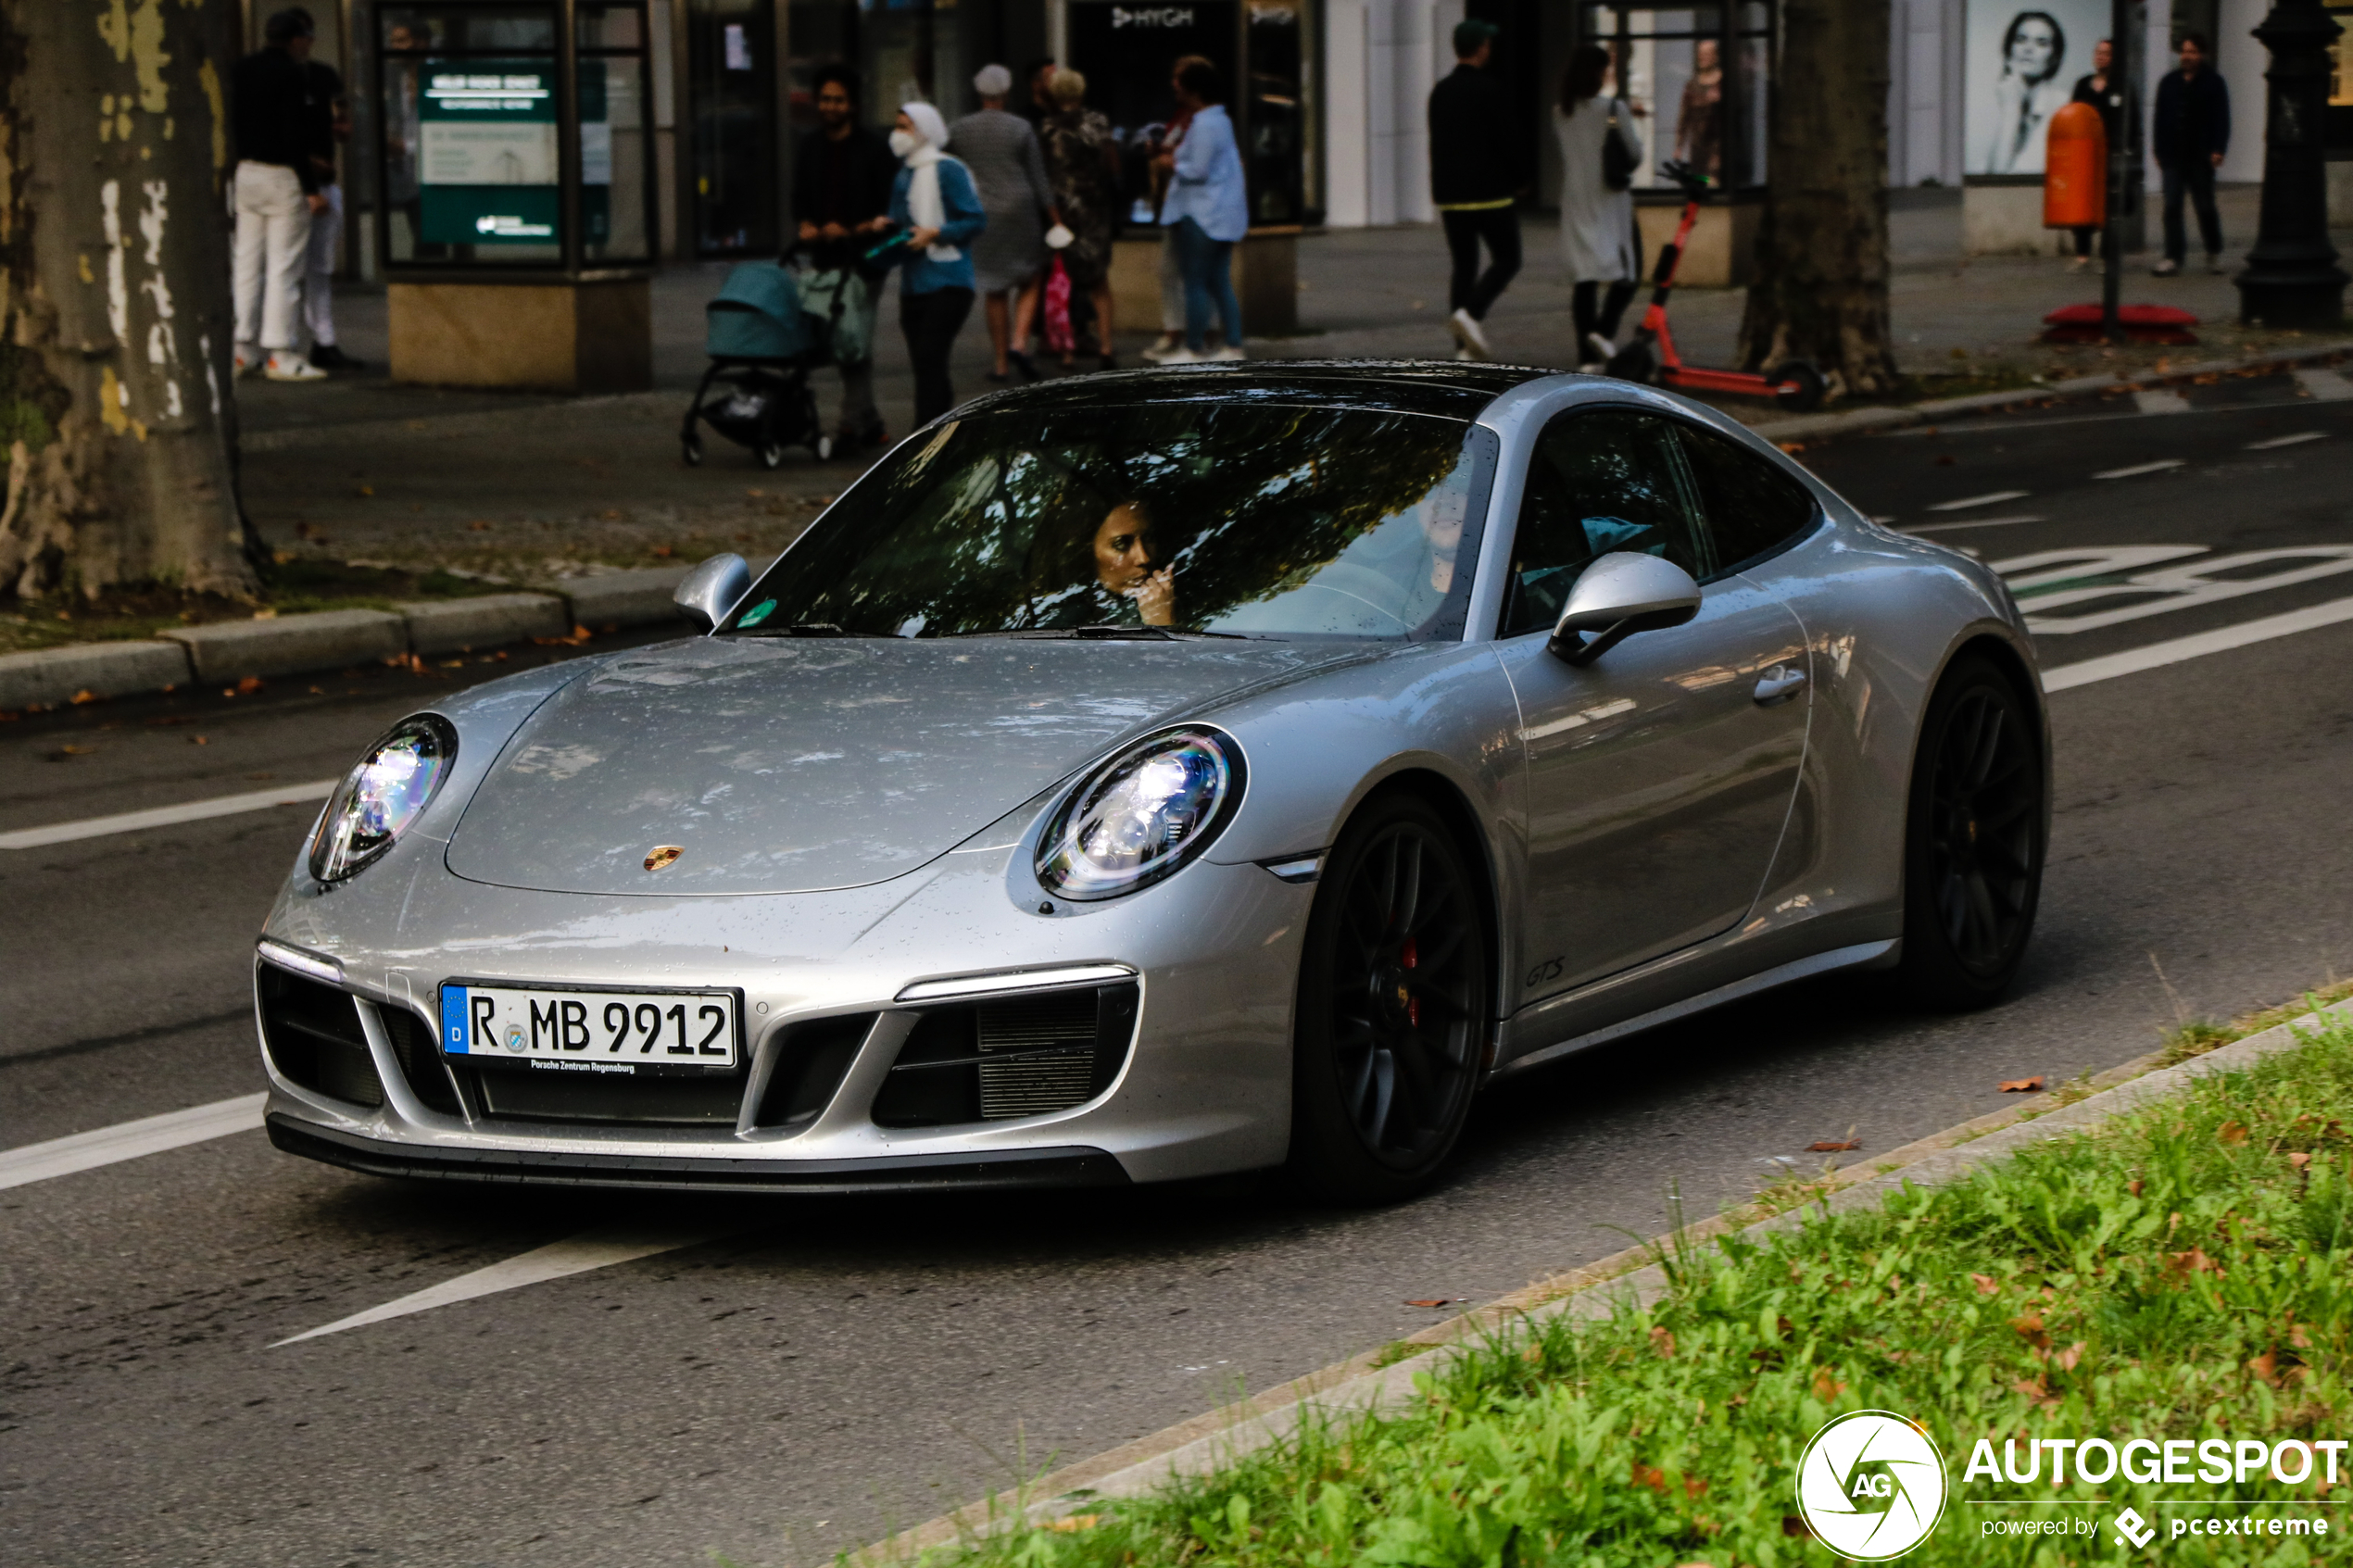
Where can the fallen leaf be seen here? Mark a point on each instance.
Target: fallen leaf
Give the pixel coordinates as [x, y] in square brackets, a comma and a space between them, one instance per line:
[85, 695]
[199, 740]
[1826, 1384]
[2029, 1328]
[664, 551]
[2267, 1367]
[2134, 1187]
[2065, 1359]
[446, 664]
[8, 718]
[2233, 1132]
[2299, 1158]
[2035, 1390]
[265, 613]
[367, 490]
[1074, 1522]
[500, 656]
[1828, 1147]
[1986, 1283]
[2297, 1337]
[1646, 1476]
[1438, 1301]
[477, 528]
[65, 751]
[2021, 1085]
[1791, 447]
[1663, 1341]
[249, 685]
[1693, 1486]
[2194, 1261]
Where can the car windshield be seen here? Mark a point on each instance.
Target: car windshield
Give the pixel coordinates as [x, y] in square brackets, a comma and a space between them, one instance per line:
[1146, 520]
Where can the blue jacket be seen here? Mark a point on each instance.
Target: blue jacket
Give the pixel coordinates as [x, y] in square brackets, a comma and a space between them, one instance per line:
[1208, 188]
[965, 220]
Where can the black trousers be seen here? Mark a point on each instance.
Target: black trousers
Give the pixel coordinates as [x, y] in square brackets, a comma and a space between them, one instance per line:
[2195, 178]
[1471, 290]
[931, 321]
[1596, 315]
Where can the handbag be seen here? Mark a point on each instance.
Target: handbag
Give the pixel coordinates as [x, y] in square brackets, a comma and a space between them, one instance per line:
[1617, 163]
[1059, 337]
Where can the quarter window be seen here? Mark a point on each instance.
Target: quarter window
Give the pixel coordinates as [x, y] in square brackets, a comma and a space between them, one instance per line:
[1598, 482]
[1752, 508]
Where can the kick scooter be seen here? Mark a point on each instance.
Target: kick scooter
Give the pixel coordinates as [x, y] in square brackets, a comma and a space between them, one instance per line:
[1651, 358]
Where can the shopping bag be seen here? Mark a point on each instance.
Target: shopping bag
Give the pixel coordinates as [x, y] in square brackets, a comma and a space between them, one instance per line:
[1058, 333]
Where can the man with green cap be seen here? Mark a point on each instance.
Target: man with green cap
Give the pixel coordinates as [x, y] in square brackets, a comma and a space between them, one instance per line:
[1470, 182]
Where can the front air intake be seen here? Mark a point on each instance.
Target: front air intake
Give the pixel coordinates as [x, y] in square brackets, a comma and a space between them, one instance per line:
[1022, 1056]
[312, 1033]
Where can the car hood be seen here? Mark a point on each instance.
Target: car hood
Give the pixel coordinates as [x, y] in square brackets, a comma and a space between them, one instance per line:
[786, 766]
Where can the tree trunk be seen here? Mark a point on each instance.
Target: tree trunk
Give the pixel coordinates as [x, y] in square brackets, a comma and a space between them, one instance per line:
[1822, 251]
[116, 410]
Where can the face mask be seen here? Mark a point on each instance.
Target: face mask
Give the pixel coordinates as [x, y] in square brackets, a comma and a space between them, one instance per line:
[904, 142]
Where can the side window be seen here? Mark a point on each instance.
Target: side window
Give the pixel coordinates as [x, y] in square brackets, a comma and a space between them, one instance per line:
[1600, 481]
[1751, 508]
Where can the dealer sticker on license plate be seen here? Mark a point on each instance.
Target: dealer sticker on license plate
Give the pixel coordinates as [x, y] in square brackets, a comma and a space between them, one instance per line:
[626, 1032]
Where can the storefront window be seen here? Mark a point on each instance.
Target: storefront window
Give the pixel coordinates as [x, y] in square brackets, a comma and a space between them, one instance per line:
[731, 64]
[1697, 77]
[473, 117]
[2339, 117]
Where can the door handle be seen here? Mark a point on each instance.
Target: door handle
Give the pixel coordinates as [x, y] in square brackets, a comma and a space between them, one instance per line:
[1778, 684]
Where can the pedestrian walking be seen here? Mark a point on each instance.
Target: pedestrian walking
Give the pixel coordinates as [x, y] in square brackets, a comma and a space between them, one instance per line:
[1600, 245]
[2190, 136]
[1205, 212]
[1001, 153]
[329, 119]
[276, 195]
[1470, 182]
[841, 204]
[1161, 141]
[933, 200]
[1082, 165]
[2098, 91]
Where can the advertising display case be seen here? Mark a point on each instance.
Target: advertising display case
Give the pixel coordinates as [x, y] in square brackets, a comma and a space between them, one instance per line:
[515, 158]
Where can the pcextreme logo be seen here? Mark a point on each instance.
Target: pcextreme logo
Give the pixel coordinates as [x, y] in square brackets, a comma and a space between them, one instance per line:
[1871, 1486]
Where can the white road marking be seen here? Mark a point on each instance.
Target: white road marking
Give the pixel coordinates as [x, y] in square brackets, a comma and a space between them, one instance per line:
[1974, 522]
[2179, 587]
[2158, 401]
[1989, 498]
[2157, 467]
[2157, 655]
[2324, 386]
[590, 1249]
[168, 816]
[2298, 439]
[129, 1140]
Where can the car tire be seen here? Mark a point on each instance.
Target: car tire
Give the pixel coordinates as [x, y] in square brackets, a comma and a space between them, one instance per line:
[1396, 1008]
[1974, 840]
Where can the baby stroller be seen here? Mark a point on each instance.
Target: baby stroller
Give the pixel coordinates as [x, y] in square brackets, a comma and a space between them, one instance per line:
[761, 348]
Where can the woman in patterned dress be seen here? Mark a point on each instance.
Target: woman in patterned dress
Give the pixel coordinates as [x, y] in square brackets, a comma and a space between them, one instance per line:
[1082, 165]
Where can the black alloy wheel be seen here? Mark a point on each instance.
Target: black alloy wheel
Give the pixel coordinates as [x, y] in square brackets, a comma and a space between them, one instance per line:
[1975, 841]
[1395, 1007]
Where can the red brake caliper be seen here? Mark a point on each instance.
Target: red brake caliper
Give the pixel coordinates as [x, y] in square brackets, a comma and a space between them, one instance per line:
[1407, 958]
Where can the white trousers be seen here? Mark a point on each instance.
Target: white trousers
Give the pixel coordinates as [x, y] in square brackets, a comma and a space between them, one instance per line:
[273, 236]
[319, 274]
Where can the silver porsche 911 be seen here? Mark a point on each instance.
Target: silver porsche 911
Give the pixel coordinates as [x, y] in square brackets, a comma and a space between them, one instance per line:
[1163, 774]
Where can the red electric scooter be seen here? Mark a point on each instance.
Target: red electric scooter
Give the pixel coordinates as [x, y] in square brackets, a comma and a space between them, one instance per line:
[1651, 358]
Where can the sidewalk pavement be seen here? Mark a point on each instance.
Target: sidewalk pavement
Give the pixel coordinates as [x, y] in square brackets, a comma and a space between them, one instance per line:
[532, 487]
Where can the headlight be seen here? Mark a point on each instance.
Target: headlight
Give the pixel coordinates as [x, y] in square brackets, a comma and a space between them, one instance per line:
[383, 795]
[1143, 815]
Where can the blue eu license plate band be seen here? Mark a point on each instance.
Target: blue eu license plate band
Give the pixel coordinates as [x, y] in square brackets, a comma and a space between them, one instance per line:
[453, 1020]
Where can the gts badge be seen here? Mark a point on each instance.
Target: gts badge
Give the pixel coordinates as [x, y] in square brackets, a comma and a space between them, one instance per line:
[1549, 969]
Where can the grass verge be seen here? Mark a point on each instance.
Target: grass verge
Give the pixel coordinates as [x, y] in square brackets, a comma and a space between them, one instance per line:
[2183, 1272]
[294, 587]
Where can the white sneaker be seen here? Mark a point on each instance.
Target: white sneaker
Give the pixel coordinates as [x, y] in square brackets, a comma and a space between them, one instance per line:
[1470, 334]
[1592, 368]
[246, 359]
[1228, 353]
[286, 366]
[1465, 353]
[1180, 354]
[2079, 264]
[1600, 347]
[1158, 353]
[2165, 269]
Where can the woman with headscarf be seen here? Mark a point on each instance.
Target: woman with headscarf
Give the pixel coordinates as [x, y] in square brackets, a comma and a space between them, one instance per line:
[1599, 244]
[1082, 163]
[933, 203]
[1001, 152]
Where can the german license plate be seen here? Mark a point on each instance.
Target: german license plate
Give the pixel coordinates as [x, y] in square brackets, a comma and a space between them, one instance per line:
[581, 1030]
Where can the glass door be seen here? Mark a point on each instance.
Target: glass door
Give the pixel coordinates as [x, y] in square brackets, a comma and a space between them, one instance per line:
[731, 63]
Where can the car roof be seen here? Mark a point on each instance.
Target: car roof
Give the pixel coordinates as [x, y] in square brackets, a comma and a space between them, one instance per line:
[1414, 386]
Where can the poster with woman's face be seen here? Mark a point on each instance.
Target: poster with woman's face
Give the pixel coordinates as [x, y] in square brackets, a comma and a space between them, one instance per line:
[2024, 57]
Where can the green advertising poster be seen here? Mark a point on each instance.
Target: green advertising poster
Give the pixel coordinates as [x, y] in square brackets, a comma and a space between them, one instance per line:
[487, 174]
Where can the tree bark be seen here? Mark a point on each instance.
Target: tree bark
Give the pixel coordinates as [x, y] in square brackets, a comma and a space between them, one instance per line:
[116, 408]
[1821, 250]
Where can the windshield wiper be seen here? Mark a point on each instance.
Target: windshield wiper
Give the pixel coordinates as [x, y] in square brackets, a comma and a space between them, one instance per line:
[799, 629]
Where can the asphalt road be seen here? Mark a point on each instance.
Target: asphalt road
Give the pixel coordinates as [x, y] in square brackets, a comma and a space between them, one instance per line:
[826, 1371]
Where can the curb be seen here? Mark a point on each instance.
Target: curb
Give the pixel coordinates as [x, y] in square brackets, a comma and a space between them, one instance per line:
[332, 639]
[1627, 1277]
[1865, 421]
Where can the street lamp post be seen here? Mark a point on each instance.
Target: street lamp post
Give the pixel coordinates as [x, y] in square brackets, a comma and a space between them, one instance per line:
[2292, 278]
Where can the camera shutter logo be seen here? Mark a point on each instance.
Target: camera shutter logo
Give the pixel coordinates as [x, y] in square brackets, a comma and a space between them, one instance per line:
[1871, 1486]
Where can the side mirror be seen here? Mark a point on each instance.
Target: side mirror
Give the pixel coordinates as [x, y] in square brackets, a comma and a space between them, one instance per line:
[713, 588]
[1618, 595]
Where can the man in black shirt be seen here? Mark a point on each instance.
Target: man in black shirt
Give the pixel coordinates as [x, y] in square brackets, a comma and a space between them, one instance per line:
[2098, 91]
[841, 202]
[2191, 133]
[1470, 182]
[277, 194]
